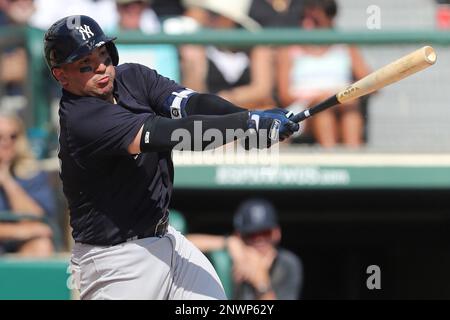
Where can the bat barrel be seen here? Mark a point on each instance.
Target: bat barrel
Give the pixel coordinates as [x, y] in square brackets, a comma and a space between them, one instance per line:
[430, 55]
[391, 73]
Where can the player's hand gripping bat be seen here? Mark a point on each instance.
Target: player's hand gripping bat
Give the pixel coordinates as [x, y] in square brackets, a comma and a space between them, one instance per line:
[393, 72]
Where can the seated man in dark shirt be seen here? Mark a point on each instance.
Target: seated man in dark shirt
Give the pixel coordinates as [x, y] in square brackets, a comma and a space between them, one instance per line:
[261, 269]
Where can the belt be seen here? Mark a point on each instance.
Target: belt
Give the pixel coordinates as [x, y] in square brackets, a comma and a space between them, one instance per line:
[158, 231]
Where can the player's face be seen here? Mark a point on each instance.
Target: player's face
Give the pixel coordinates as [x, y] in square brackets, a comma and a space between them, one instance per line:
[93, 75]
[261, 241]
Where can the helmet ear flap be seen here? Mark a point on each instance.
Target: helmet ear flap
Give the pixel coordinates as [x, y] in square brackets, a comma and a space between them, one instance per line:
[113, 53]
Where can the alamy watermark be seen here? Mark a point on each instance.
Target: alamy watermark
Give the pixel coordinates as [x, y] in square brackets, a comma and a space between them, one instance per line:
[235, 147]
[73, 281]
[373, 21]
[74, 22]
[374, 280]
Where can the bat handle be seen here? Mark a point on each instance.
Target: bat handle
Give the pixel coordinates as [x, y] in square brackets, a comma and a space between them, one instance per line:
[305, 114]
[299, 117]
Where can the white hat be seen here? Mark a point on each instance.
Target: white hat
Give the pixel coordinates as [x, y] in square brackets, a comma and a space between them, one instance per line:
[236, 10]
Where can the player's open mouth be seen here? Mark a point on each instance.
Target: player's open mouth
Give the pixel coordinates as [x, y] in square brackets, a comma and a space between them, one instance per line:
[103, 80]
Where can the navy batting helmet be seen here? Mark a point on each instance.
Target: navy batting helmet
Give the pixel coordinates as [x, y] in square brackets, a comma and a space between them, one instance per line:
[74, 37]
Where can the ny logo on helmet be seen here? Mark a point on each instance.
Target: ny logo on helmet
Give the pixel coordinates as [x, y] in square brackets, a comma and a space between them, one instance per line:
[85, 32]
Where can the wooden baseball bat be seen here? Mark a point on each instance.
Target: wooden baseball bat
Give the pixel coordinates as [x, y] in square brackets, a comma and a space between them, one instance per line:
[393, 72]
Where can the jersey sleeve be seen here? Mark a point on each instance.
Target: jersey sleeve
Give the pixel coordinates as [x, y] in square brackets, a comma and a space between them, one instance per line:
[165, 96]
[102, 128]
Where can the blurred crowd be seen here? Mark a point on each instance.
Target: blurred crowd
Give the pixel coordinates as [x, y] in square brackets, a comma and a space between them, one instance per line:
[259, 77]
[293, 77]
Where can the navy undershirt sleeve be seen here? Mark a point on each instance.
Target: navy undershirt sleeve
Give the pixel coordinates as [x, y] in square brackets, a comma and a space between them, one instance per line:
[191, 133]
[209, 104]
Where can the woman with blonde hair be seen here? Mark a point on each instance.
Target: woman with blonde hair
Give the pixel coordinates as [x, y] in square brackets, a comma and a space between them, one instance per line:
[25, 194]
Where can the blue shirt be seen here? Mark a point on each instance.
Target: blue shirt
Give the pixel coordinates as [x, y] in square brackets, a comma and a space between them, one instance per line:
[113, 195]
[39, 189]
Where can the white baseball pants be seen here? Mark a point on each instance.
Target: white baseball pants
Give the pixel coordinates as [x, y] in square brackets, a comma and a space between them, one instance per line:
[170, 267]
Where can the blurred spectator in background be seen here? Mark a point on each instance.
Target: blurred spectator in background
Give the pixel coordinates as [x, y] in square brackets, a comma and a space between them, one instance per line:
[443, 14]
[48, 11]
[309, 74]
[137, 15]
[168, 8]
[192, 19]
[262, 270]
[18, 12]
[13, 59]
[243, 77]
[276, 13]
[25, 194]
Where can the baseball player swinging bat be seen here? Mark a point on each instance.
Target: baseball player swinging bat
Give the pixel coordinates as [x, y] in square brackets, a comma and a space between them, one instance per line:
[393, 72]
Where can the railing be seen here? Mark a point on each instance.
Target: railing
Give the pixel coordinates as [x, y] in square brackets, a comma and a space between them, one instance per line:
[290, 36]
